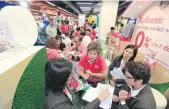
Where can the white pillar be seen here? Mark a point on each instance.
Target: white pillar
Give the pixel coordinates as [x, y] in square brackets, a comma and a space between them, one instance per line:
[108, 15]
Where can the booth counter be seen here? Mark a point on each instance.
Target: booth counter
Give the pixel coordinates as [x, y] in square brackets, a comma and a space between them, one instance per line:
[11, 68]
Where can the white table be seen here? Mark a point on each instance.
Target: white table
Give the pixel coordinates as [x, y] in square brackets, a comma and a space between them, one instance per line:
[161, 101]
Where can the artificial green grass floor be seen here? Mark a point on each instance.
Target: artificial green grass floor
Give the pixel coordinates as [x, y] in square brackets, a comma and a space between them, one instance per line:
[30, 90]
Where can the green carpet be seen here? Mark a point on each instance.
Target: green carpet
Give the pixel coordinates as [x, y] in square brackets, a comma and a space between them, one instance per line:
[160, 87]
[30, 90]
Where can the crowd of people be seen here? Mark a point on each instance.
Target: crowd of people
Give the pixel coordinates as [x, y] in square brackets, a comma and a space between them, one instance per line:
[81, 46]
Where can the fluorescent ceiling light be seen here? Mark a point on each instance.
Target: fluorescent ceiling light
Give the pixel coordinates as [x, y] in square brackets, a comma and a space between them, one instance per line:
[86, 7]
[99, 4]
[83, 3]
[85, 12]
[51, 3]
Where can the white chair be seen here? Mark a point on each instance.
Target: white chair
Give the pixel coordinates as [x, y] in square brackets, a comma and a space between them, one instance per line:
[161, 101]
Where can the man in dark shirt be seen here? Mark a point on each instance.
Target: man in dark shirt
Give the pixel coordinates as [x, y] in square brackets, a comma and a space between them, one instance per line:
[140, 95]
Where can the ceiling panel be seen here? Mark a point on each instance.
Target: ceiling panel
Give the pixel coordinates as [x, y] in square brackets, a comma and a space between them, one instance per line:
[137, 8]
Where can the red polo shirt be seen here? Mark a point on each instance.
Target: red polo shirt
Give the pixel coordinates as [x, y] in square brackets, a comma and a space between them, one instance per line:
[85, 26]
[63, 29]
[93, 32]
[67, 28]
[92, 37]
[77, 33]
[96, 67]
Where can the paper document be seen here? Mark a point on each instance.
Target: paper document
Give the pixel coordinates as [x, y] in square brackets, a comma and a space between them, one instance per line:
[93, 93]
[117, 73]
[106, 104]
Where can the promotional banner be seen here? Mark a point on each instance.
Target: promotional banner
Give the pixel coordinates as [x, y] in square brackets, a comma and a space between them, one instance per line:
[152, 32]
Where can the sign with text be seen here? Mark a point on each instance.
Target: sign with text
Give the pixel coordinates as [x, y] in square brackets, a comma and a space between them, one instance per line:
[150, 57]
[152, 32]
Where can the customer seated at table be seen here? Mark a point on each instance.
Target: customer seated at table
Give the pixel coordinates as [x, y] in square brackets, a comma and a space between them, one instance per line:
[52, 53]
[77, 45]
[140, 95]
[59, 45]
[92, 66]
[57, 95]
[119, 62]
[66, 40]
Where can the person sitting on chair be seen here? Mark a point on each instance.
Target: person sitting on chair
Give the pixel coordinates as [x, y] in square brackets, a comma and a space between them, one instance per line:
[92, 67]
[139, 95]
[117, 66]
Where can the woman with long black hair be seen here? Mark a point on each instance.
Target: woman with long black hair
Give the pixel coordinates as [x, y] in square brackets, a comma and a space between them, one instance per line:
[57, 73]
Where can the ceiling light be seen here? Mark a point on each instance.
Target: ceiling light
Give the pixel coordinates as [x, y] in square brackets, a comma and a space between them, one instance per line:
[86, 7]
[23, 4]
[99, 4]
[140, 6]
[83, 3]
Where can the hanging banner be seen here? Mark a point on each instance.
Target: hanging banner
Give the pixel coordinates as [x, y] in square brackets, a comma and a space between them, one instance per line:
[152, 32]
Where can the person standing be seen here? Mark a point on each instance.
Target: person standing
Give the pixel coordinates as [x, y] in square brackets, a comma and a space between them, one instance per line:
[51, 30]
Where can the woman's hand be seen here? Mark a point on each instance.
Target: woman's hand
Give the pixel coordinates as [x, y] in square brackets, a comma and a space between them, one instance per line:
[104, 94]
[113, 79]
[112, 83]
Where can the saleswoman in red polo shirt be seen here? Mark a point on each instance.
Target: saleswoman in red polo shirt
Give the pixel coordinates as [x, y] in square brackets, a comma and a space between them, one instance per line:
[92, 67]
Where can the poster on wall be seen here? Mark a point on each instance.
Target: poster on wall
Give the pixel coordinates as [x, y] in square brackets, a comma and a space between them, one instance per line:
[152, 32]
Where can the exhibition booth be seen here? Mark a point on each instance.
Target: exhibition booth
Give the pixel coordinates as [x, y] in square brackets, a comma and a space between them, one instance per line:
[149, 31]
